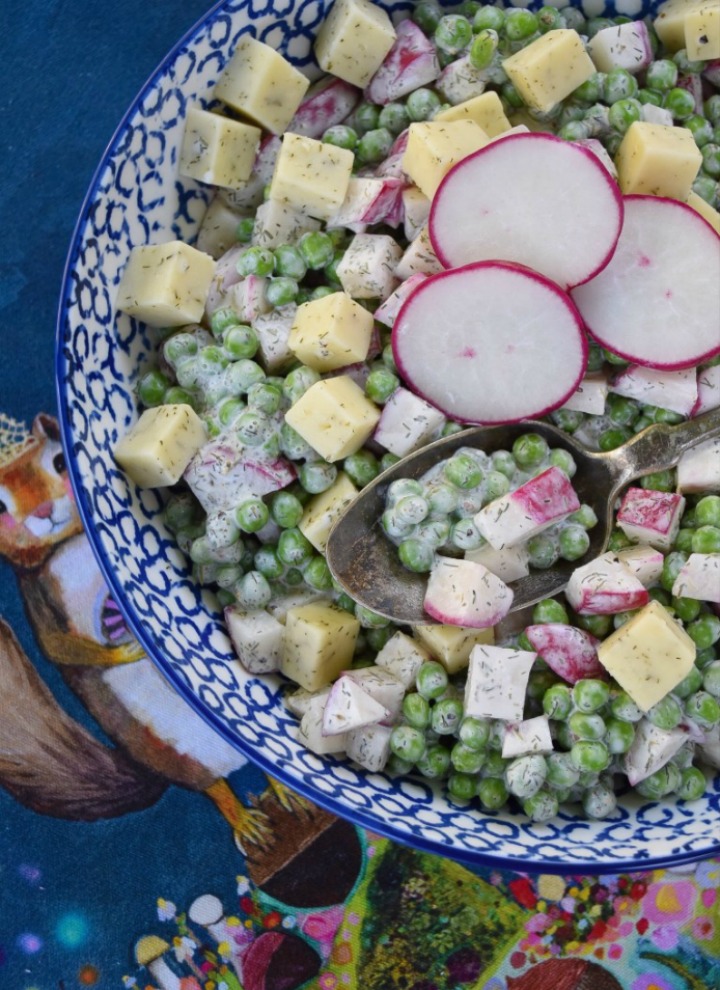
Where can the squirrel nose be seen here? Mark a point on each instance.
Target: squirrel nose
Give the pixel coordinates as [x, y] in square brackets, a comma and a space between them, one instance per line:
[44, 510]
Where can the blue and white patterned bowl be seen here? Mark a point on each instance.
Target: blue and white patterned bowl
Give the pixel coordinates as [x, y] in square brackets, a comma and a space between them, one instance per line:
[136, 197]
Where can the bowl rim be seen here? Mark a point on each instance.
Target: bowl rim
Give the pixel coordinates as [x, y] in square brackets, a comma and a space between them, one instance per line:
[357, 816]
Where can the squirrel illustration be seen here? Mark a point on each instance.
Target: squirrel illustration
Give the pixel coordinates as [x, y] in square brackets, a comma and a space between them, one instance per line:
[47, 760]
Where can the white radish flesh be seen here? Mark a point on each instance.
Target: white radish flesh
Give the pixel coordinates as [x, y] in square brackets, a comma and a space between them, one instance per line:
[369, 747]
[658, 300]
[490, 343]
[648, 516]
[708, 385]
[349, 707]
[407, 423]
[699, 468]
[675, 390]
[533, 199]
[410, 63]
[699, 577]
[533, 507]
[529, 736]
[497, 681]
[605, 586]
[463, 593]
[257, 637]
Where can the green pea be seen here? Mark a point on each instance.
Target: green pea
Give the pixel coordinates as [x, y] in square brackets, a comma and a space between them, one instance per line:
[619, 85]
[341, 136]
[416, 710]
[584, 726]
[711, 679]
[298, 381]
[446, 716]
[253, 427]
[483, 48]
[369, 619]
[557, 702]
[530, 450]
[431, 680]
[700, 128]
[179, 348]
[549, 19]
[289, 262]
[691, 683]
[543, 551]
[256, 261]
[474, 733]
[686, 65]
[662, 74]
[666, 713]
[599, 801]
[659, 481]
[671, 568]
[561, 772]
[317, 476]
[374, 145]
[463, 471]
[564, 460]
[151, 388]
[251, 515]
[549, 610]
[613, 438]
[243, 373]
[704, 631]
[416, 555]
[453, 33]
[706, 539]
[568, 420]
[619, 736]
[466, 760]
[488, 17]
[590, 694]
[590, 755]
[461, 786]
[574, 542]
[525, 775]
[240, 342]
[316, 248]
[711, 108]
[380, 385]
[492, 793]
[692, 784]
[519, 24]
[267, 563]
[362, 467]
[180, 396]
[407, 743]
[435, 762]
[394, 117]
[244, 230]
[592, 89]
[421, 104]
[680, 102]
[707, 511]
[703, 708]
[541, 807]
[293, 548]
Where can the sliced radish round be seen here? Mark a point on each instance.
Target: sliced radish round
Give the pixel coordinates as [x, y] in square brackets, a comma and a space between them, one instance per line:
[533, 199]
[490, 343]
[657, 302]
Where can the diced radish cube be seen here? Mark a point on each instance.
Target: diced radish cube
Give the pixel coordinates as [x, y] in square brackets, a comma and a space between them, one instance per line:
[298, 701]
[327, 103]
[410, 63]
[590, 395]
[675, 390]
[605, 586]
[349, 707]
[419, 256]
[368, 200]
[699, 577]
[382, 686]
[646, 563]
[224, 467]
[508, 564]
[407, 423]
[462, 593]
[369, 747]
[257, 637]
[497, 681]
[460, 81]
[622, 46]
[708, 383]
[273, 333]
[403, 656]
[656, 115]
[248, 298]
[699, 468]
[416, 210]
[218, 229]
[280, 605]
[709, 748]
[567, 650]
[529, 736]
[250, 195]
[367, 269]
[387, 311]
[538, 503]
[600, 152]
[310, 732]
[224, 277]
[647, 516]
[277, 223]
[391, 166]
[650, 750]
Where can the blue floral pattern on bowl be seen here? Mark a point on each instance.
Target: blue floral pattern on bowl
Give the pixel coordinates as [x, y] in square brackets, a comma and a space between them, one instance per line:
[136, 197]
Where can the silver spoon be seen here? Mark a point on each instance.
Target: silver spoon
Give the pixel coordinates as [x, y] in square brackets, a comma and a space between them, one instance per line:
[366, 565]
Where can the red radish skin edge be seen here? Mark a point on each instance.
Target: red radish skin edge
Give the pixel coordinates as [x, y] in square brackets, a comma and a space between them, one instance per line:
[547, 283]
[670, 365]
[488, 148]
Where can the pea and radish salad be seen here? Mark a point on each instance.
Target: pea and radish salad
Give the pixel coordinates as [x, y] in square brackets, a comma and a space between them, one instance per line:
[442, 231]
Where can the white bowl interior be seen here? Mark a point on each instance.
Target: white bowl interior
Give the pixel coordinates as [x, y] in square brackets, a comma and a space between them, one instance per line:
[135, 198]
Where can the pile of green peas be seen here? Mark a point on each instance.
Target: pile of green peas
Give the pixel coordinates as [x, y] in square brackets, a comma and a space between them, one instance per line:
[435, 514]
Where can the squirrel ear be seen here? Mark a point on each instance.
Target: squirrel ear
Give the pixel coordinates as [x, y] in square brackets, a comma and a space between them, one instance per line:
[45, 425]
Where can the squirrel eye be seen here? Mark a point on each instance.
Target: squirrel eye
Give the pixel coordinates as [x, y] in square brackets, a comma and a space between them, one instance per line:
[59, 462]
[3, 508]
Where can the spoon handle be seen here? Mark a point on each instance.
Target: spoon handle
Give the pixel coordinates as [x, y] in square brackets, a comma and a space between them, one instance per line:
[660, 446]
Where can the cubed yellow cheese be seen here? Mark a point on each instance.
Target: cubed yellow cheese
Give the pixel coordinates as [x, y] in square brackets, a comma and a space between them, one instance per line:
[262, 85]
[331, 332]
[310, 176]
[452, 645]
[549, 68]
[690, 24]
[433, 147]
[706, 211]
[486, 110]
[657, 160]
[353, 40]
[165, 285]
[648, 656]
[324, 509]
[318, 644]
[160, 445]
[218, 150]
[334, 416]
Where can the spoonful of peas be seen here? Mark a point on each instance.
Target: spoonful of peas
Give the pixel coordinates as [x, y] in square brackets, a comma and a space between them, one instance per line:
[365, 562]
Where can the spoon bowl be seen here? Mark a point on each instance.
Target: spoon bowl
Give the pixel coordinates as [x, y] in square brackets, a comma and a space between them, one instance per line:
[366, 565]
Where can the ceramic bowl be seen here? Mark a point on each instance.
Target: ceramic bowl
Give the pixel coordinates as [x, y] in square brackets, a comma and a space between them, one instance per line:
[135, 198]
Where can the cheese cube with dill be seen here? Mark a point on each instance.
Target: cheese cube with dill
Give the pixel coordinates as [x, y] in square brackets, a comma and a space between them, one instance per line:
[318, 644]
[648, 655]
[452, 645]
[497, 682]
[216, 149]
[331, 332]
[706, 211]
[310, 176]
[485, 110]
[657, 160]
[334, 416]
[262, 85]
[549, 68]
[434, 146]
[353, 40]
[165, 285]
[690, 24]
[160, 445]
[324, 509]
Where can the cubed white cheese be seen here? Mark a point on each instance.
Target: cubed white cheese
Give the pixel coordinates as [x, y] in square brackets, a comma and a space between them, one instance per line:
[257, 637]
[486, 109]
[407, 423]
[435, 146]
[331, 332]
[157, 449]
[648, 655]
[605, 586]
[367, 268]
[497, 681]
[310, 176]
[656, 160]
[647, 516]
[532, 735]
[699, 577]
[549, 68]
[531, 508]
[324, 509]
